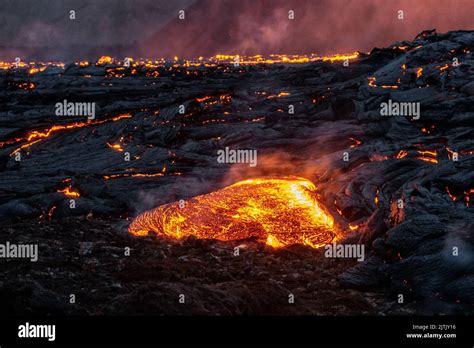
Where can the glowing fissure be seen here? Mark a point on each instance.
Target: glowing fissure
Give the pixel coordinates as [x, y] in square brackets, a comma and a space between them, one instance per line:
[36, 136]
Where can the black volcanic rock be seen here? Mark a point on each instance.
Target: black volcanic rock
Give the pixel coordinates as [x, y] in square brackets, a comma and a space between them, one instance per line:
[173, 156]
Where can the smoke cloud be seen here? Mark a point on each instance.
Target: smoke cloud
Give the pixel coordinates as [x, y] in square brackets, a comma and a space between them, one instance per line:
[42, 29]
[322, 26]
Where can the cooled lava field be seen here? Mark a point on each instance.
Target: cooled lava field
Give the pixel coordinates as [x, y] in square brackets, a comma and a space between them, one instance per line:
[171, 118]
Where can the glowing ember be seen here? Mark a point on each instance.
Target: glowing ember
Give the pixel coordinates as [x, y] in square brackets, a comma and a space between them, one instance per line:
[353, 227]
[69, 192]
[117, 72]
[67, 189]
[372, 83]
[26, 85]
[427, 130]
[105, 60]
[51, 212]
[443, 67]
[36, 70]
[453, 197]
[377, 157]
[402, 154]
[419, 72]
[116, 147]
[203, 99]
[279, 95]
[467, 195]
[357, 142]
[402, 48]
[138, 175]
[276, 211]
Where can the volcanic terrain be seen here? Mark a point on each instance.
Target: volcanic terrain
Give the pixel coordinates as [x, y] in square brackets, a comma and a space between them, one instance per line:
[400, 190]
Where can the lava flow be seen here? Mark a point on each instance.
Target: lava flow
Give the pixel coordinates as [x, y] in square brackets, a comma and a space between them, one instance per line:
[278, 211]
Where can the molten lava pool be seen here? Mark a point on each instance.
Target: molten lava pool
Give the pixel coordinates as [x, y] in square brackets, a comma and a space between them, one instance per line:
[277, 211]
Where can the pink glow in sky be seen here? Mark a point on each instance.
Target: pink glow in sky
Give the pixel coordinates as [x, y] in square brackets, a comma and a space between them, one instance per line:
[320, 26]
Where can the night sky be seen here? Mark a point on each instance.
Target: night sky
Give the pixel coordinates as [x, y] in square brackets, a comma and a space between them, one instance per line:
[42, 28]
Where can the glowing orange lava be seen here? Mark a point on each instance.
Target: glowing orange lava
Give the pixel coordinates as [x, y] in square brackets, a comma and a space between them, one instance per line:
[419, 72]
[69, 192]
[138, 175]
[443, 67]
[402, 154]
[33, 71]
[428, 156]
[277, 211]
[281, 58]
[36, 136]
[372, 83]
[105, 60]
[116, 147]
